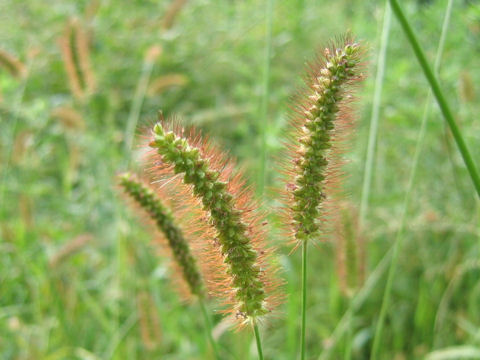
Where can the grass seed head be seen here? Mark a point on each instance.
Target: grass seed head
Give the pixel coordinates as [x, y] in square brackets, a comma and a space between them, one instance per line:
[321, 126]
[148, 200]
[237, 236]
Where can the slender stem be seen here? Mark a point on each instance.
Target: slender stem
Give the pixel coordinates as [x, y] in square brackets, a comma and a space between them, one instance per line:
[399, 236]
[348, 340]
[136, 108]
[437, 92]
[258, 340]
[265, 96]
[304, 299]
[208, 328]
[377, 98]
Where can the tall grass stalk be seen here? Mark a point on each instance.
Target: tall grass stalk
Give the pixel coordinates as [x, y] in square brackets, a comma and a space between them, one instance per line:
[377, 99]
[265, 96]
[437, 92]
[399, 237]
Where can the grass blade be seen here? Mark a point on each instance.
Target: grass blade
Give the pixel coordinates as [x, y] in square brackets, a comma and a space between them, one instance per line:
[399, 236]
[437, 92]
[265, 97]
[377, 98]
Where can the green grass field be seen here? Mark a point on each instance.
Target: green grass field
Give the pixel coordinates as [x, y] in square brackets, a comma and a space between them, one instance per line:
[80, 277]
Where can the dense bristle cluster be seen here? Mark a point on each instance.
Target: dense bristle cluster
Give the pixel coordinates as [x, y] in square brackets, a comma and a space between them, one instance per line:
[147, 199]
[321, 124]
[237, 234]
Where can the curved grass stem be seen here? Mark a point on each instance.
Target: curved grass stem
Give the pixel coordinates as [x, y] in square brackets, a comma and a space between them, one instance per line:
[304, 299]
[399, 236]
[258, 340]
[208, 329]
[437, 92]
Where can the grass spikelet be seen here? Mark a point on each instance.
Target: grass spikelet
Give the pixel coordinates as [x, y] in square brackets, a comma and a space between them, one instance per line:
[12, 64]
[75, 49]
[321, 126]
[238, 234]
[149, 201]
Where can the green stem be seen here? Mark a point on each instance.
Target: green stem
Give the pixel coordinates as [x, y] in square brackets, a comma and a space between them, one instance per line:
[349, 340]
[136, 108]
[377, 97]
[265, 97]
[258, 340]
[399, 236]
[437, 92]
[208, 328]
[304, 299]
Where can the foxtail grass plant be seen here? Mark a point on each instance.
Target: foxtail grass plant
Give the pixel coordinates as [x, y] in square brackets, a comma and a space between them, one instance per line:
[246, 277]
[321, 128]
[229, 220]
[147, 199]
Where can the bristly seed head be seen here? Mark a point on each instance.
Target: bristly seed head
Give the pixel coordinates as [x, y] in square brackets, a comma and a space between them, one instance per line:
[226, 213]
[319, 125]
[147, 199]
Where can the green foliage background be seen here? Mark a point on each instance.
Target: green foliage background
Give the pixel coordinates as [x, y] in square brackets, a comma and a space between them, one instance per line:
[57, 180]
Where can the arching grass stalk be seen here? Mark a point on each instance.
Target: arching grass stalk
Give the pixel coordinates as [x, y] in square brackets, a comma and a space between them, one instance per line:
[315, 160]
[399, 236]
[238, 251]
[437, 92]
[151, 202]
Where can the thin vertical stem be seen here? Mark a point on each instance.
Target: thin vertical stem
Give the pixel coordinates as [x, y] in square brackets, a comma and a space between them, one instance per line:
[399, 236]
[304, 300]
[136, 108]
[265, 97]
[377, 98]
[258, 340]
[437, 92]
[208, 328]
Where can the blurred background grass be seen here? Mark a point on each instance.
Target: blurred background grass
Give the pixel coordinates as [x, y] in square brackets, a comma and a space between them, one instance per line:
[79, 276]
